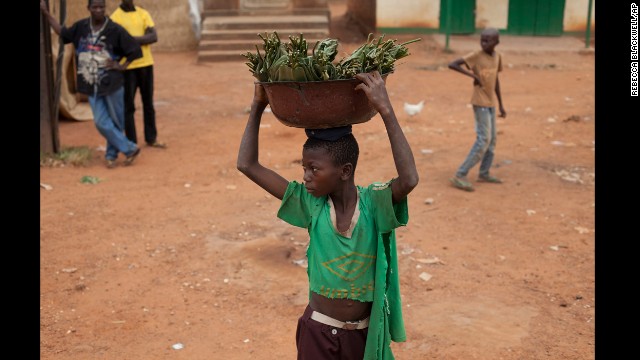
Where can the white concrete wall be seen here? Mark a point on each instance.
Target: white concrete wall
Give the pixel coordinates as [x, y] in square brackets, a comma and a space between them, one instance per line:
[575, 15]
[426, 13]
[489, 13]
[492, 13]
[408, 14]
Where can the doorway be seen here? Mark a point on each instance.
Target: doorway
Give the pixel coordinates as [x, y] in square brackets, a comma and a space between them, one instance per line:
[536, 17]
[463, 16]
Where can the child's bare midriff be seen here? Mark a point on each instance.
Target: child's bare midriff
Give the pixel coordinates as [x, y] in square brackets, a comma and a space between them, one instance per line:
[340, 309]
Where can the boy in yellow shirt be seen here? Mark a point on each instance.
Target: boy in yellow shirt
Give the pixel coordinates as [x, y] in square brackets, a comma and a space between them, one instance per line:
[139, 74]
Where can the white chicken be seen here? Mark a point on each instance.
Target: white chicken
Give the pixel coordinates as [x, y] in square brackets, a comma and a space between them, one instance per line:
[413, 109]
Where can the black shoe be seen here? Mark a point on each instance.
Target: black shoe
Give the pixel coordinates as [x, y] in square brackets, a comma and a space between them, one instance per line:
[157, 144]
[129, 160]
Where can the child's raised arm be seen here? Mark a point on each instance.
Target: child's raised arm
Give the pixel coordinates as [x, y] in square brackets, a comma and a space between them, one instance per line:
[457, 66]
[248, 163]
[374, 87]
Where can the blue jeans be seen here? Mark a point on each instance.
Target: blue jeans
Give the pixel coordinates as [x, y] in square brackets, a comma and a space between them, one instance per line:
[483, 148]
[108, 115]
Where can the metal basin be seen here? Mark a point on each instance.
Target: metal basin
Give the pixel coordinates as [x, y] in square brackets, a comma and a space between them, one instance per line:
[319, 104]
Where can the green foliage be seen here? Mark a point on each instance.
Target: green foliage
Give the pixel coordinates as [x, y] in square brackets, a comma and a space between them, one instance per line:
[292, 62]
[90, 179]
[77, 156]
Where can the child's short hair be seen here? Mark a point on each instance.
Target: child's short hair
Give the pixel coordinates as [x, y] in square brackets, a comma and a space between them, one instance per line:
[342, 151]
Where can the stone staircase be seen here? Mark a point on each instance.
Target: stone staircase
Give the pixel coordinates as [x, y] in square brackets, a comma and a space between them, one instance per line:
[226, 35]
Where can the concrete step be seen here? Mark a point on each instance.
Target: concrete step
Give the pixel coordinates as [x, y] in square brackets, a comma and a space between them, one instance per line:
[266, 22]
[221, 55]
[244, 45]
[226, 38]
[252, 34]
[238, 12]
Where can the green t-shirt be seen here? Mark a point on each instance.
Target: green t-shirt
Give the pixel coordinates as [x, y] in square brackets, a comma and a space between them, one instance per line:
[343, 267]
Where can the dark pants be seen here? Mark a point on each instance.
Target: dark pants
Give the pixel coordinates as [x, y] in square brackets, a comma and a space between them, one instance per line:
[317, 341]
[133, 79]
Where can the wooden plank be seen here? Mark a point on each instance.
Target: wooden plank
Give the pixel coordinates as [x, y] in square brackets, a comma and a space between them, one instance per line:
[49, 142]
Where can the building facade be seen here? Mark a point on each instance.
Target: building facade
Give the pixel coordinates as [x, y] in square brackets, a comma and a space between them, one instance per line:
[516, 17]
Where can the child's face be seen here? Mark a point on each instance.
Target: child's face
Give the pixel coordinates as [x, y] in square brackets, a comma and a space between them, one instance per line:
[321, 176]
[489, 42]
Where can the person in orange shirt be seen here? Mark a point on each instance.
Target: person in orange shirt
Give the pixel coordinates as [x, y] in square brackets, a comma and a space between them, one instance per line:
[139, 74]
[483, 66]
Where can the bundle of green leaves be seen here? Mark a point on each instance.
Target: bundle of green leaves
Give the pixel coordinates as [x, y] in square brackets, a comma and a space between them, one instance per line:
[291, 61]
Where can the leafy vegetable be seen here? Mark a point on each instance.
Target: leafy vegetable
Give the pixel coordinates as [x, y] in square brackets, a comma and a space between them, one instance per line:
[292, 62]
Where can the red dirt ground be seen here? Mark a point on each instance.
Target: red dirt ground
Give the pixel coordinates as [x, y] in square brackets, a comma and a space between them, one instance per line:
[182, 248]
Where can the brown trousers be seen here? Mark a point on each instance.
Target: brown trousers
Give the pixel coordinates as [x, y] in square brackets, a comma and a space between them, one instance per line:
[317, 341]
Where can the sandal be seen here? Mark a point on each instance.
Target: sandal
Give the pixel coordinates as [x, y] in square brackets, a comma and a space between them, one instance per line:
[461, 184]
[130, 159]
[489, 179]
[158, 145]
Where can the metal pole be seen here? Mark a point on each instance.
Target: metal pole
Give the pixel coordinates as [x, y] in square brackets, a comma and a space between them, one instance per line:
[588, 34]
[448, 31]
